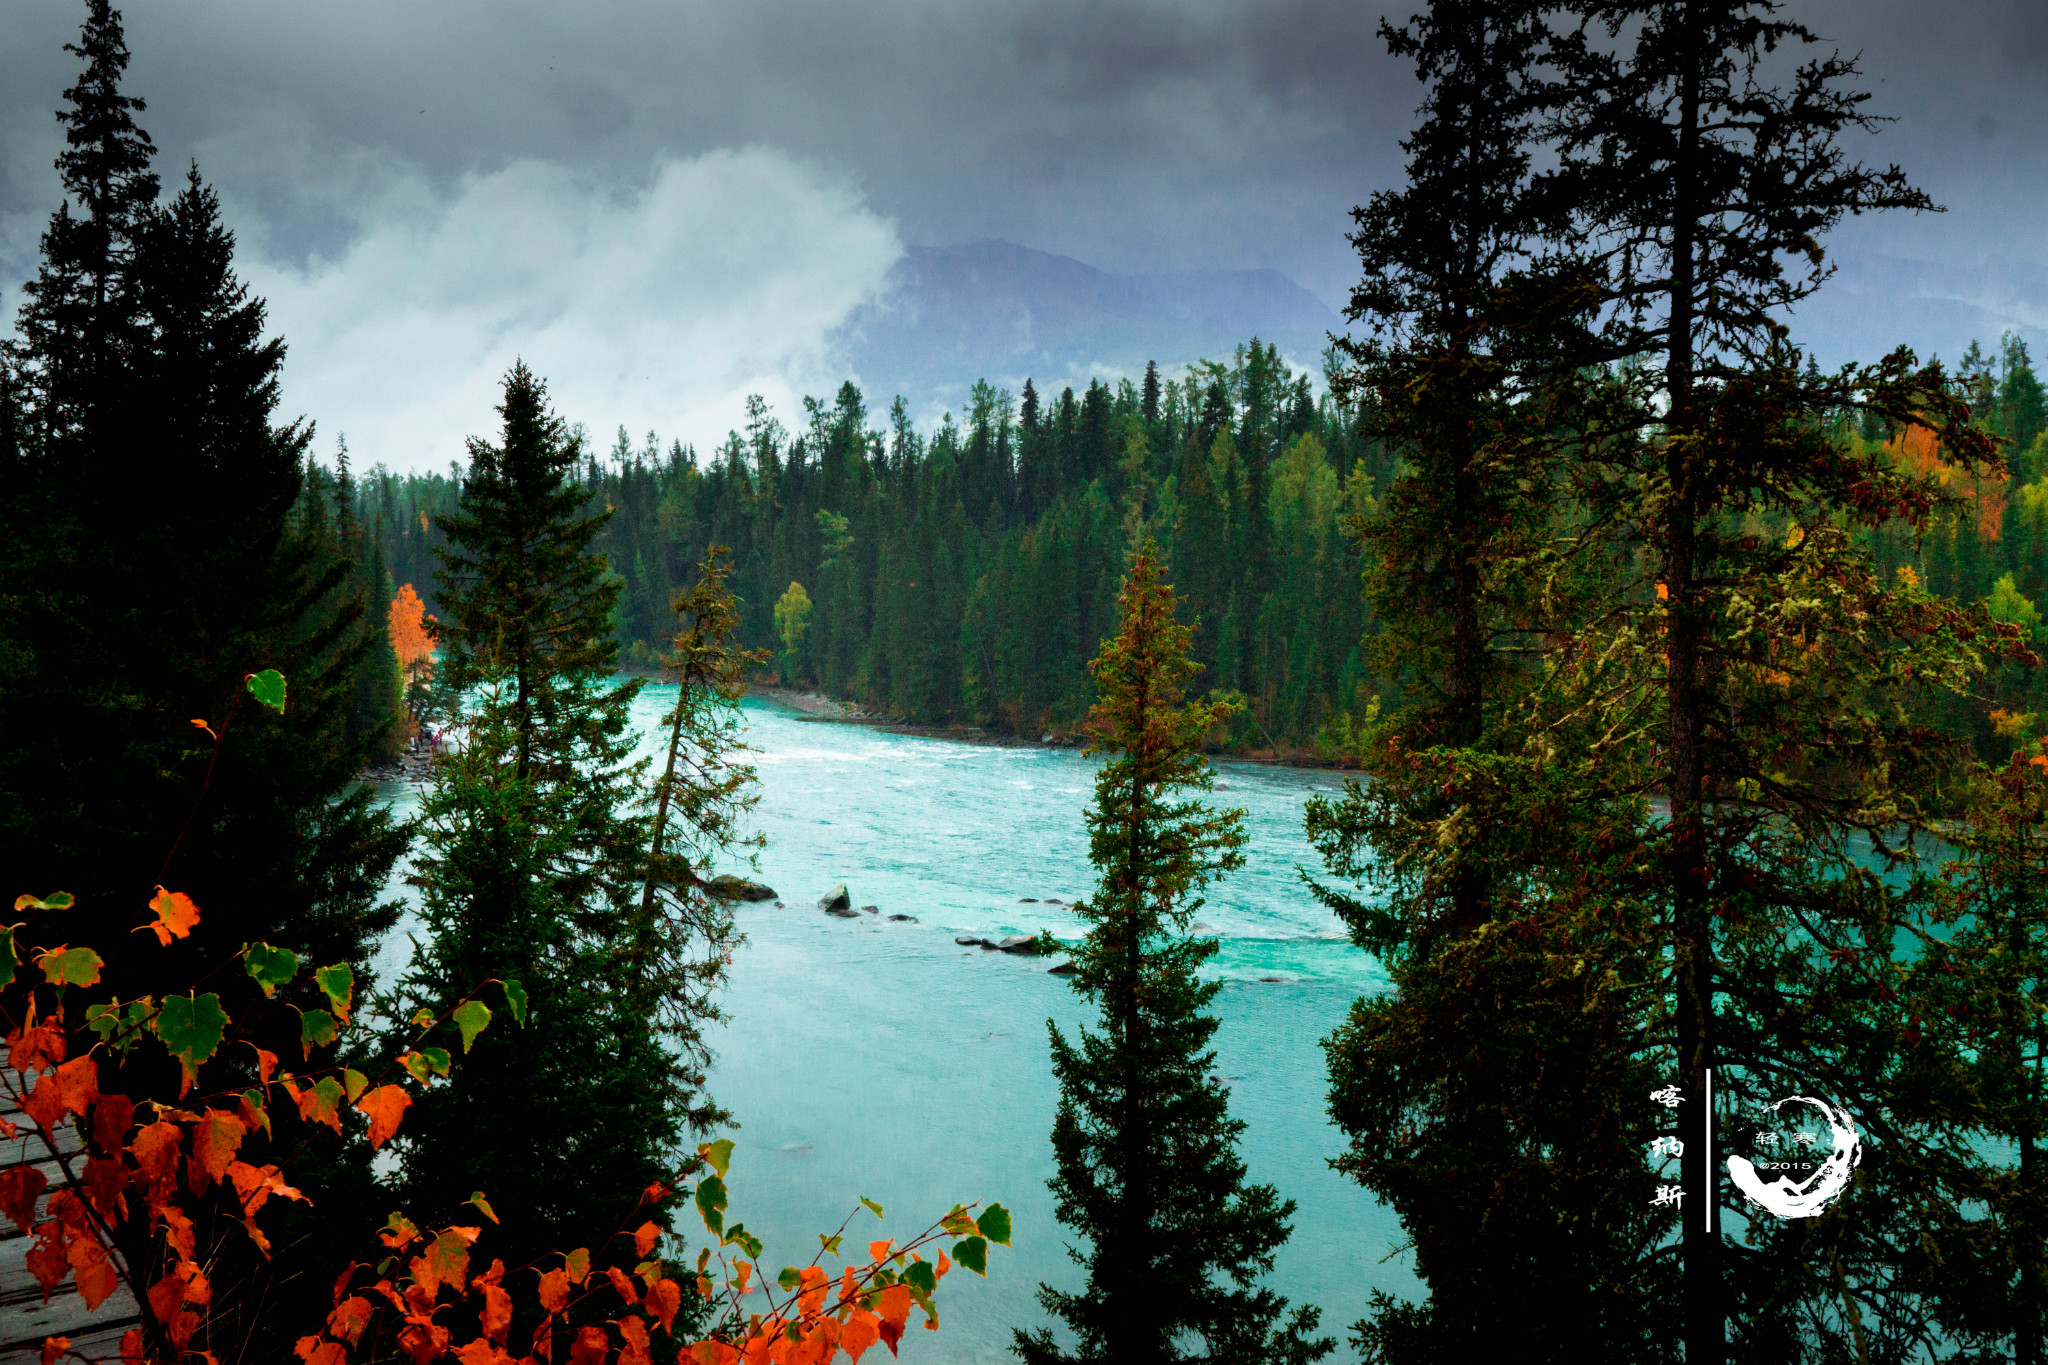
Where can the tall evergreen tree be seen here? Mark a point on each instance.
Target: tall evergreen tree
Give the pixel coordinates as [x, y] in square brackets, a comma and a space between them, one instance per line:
[1481, 1096]
[538, 856]
[1148, 1168]
[1699, 188]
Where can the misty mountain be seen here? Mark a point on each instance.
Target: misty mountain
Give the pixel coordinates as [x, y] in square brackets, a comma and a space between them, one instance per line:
[1002, 312]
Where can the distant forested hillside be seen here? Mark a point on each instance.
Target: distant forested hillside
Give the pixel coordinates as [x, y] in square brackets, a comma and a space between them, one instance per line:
[967, 576]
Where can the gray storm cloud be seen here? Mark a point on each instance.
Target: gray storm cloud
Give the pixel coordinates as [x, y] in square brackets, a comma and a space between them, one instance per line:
[1137, 136]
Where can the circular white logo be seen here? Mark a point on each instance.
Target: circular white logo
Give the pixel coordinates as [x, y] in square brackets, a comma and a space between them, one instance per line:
[1799, 1182]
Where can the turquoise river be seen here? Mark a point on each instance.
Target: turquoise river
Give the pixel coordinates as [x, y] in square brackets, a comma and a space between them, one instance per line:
[878, 1058]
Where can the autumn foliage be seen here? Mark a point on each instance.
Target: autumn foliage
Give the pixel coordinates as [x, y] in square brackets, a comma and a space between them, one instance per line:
[135, 1169]
[1917, 451]
[412, 635]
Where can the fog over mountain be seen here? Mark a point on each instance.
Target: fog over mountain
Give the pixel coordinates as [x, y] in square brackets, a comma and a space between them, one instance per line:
[1004, 313]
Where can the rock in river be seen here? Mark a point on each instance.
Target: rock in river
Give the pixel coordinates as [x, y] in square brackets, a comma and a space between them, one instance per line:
[843, 912]
[836, 899]
[730, 888]
[969, 941]
[1018, 943]
[871, 909]
[1063, 969]
[904, 919]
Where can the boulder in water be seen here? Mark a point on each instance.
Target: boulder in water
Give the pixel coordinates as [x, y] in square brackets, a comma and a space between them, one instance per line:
[836, 899]
[970, 941]
[731, 888]
[904, 919]
[1063, 969]
[1026, 944]
[842, 911]
[871, 910]
[1027, 900]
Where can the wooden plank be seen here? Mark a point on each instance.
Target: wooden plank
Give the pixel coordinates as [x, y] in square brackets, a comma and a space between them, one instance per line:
[26, 1323]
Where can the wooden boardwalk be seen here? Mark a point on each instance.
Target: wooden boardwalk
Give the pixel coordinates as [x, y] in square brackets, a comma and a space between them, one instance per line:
[26, 1316]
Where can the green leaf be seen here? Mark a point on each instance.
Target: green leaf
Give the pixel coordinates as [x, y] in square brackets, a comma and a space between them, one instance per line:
[7, 958]
[56, 900]
[711, 1202]
[422, 1019]
[355, 1082]
[872, 1205]
[515, 1000]
[920, 1276]
[119, 1027]
[268, 688]
[995, 1224]
[316, 1029]
[416, 1066]
[483, 1206]
[747, 1241]
[718, 1155]
[271, 967]
[339, 982]
[831, 1244]
[470, 1017]
[191, 1027]
[790, 1277]
[71, 966]
[972, 1253]
[437, 1058]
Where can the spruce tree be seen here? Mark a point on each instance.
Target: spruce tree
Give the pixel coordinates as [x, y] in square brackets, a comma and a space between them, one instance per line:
[538, 854]
[1148, 1169]
[1481, 1096]
[1701, 189]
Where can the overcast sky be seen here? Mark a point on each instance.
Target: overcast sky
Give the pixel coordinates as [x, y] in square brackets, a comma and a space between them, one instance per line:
[665, 206]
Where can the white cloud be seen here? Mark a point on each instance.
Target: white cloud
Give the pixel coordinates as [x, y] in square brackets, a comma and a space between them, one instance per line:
[659, 307]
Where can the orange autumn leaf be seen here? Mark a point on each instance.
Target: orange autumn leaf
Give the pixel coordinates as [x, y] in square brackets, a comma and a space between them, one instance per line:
[314, 1351]
[45, 1104]
[664, 1297]
[92, 1272]
[349, 1318]
[175, 915]
[497, 1315]
[78, 1084]
[482, 1352]
[20, 1188]
[215, 1139]
[863, 1330]
[894, 1305]
[637, 1350]
[714, 1353]
[385, 1105]
[54, 1347]
[590, 1347]
[623, 1282]
[644, 1238]
[554, 1290]
[156, 1150]
[446, 1261]
[132, 1350]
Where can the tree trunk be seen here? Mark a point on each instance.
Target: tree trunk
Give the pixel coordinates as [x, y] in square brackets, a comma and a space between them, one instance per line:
[1692, 959]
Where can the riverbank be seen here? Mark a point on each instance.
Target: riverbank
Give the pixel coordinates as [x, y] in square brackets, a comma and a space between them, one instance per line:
[813, 706]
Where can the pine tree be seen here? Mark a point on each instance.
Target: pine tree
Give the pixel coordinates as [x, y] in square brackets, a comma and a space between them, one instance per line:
[538, 852]
[1701, 190]
[1148, 1168]
[684, 934]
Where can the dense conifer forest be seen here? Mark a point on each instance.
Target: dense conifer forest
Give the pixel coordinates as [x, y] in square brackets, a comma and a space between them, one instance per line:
[966, 576]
